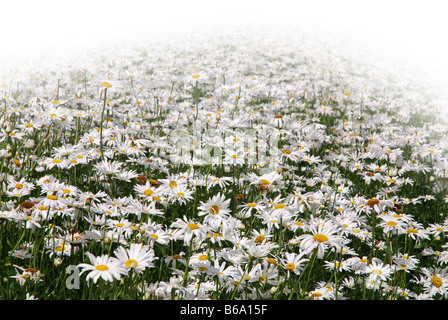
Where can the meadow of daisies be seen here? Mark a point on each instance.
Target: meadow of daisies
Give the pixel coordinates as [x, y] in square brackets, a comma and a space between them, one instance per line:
[224, 168]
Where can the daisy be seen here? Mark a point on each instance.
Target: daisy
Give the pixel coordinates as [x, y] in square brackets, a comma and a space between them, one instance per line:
[246, 210]
[322, 293]
[180, 194]
[18, 188]
[266, 181]
[434, 281]
[158, 235]
[52, 201]
[21, 253]
[262, 235]
[172, 181]
[222, 182]
[215, 209]
[12, 134]
[28, 274]
[189, 230]
[108, 167]
[391, 224]
[126, 175]
[337, 265]
[404, 262]
[137, 257]
[234, 157]
[436, 229]
[103, 266]
[176, 258]
[415, 231]
[146, 191]
[197, 77]
[59, 247]
[322, 238]
[55, 162]
[293, 262]
[122, 225]
[29, 125]
[377, 270]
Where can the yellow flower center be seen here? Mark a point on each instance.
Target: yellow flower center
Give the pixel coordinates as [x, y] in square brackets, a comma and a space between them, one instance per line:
[436, 281]
[320, 238]
[195, 76]
[62, 246]
[280, 206]
[265, 182]
[52, 197]
[131, 263]
[290, 266]
[193, 226]
[260, 238]
[173, 184]
[214, 210]
[203, 257]
[372, 202]
[19, 186]
[148, 192]
[252, 205]
[102, 267]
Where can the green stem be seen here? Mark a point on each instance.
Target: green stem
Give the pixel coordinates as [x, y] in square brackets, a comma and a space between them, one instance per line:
[101, 123]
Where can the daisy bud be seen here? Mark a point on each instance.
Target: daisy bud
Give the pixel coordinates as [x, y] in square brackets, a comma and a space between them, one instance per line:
[431, 178]
[57, 261]
[338, 182]
[29, 144]
[241, 227]
[292, 242]
[273, 290]
[310, 182]
[437, 238]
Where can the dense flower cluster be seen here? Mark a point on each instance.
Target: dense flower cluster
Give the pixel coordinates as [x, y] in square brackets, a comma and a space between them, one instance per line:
[227, 168]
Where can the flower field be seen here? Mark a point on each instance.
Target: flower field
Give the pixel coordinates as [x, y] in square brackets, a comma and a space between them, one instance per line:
[223, 168]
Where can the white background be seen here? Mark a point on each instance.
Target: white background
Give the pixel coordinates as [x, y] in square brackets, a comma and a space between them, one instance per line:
[413, 33]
